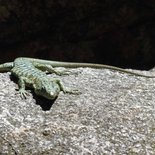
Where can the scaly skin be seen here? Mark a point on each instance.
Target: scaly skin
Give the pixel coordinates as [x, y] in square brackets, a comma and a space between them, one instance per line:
[29, 75]
[30, 72]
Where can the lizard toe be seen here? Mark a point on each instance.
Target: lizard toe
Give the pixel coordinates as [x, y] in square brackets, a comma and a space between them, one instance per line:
[24, 94]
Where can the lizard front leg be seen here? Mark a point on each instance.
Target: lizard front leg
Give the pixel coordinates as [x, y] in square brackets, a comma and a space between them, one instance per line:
[64, 89]
[22, 91]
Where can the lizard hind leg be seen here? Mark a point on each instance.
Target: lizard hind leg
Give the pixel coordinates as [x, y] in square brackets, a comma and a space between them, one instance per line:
[50, 69]
[6, 66]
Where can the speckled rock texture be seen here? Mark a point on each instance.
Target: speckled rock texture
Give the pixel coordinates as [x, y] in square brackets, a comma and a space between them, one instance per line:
[117, 32]
[114, 114]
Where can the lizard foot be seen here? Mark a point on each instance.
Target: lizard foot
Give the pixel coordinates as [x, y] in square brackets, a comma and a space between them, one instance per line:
[67, 72]
[64, 72]
[64, 89]
[72, 91]
[24, 93]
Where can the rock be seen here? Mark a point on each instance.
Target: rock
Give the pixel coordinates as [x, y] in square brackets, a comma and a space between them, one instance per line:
[114, 114]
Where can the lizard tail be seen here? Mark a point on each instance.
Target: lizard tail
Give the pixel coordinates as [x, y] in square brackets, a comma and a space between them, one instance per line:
[75, 65]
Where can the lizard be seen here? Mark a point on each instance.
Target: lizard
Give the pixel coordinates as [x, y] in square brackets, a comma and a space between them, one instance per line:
[31, 73]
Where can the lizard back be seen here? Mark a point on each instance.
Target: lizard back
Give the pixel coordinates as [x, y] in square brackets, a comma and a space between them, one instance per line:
[25, 68]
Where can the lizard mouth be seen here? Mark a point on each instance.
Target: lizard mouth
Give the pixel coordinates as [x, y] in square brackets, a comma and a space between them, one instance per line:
[51, 95]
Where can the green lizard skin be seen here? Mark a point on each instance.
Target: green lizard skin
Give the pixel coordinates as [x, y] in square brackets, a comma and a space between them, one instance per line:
[31, 73]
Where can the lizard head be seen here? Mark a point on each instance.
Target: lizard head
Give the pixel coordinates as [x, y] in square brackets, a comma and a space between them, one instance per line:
[46, 88]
